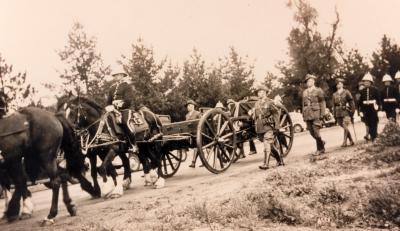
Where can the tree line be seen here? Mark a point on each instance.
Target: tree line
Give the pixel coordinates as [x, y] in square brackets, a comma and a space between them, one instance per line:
[165, 86]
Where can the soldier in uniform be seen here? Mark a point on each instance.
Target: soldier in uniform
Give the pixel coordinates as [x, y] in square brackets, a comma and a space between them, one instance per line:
[266, 116]
[369, 105]
[343, 110]
[361, 115]
[120, 98]
[192, 114]
[313, 111]
[397, 89]
[389, 97]
[3, 104]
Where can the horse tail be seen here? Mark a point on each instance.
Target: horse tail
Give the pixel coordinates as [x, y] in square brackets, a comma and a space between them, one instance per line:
[72, 152]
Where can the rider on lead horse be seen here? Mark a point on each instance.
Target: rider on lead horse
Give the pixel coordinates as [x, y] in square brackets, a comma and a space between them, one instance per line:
[120, 98]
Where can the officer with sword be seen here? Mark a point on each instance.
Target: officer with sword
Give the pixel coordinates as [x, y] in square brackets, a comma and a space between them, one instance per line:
[343, 110]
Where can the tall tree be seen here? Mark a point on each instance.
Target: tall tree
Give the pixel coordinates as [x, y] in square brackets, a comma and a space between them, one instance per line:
[238, 75]
[386, 60]
[144, 71]
[84, 67]
[271, 81]
[19, 92]
[309, 52]
[193, 77]
[353, 67]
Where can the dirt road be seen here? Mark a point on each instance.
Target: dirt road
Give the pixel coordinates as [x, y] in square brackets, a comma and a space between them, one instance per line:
[142, 207]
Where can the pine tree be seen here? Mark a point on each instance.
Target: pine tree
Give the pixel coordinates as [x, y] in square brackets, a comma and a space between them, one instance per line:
[19, 92]
[85, 70]
[386, 60]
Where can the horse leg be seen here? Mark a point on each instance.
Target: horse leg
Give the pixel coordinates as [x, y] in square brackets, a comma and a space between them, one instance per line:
[127, 170]
[17, 176]
[93, 172]
[143, 158]
[106, 162]
[27, 208]
[118, 189]
[155, 157]
[51, 168]
[71, 207]
[55, 186]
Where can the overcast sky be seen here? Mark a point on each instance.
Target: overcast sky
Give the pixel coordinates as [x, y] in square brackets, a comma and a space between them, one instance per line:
[31, 31]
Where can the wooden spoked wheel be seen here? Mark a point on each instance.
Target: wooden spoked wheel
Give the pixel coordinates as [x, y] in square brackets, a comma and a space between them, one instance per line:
[170, 162]
[216, 140]
[284, 136]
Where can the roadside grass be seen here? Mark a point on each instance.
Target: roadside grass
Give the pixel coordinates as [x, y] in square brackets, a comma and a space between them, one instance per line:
[330, 194]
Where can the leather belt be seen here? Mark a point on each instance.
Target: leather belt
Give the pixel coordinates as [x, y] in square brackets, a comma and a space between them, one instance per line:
[389, 100]
[369, 101]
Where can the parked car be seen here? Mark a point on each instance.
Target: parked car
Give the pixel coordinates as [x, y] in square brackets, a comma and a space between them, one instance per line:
[298, 123]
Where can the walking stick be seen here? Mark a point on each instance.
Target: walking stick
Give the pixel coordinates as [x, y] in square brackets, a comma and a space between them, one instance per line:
[354, 130]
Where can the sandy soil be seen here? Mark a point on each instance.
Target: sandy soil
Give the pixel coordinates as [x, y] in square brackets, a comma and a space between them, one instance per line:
[192, 191]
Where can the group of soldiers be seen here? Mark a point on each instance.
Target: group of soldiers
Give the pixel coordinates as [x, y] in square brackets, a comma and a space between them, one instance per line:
[369, 100]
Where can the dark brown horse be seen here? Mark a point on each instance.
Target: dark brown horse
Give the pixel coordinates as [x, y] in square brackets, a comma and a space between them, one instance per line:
[85, 114]
[30, 140]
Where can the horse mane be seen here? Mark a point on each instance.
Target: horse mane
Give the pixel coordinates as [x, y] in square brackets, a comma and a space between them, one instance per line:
[90, 102]
[78, 99]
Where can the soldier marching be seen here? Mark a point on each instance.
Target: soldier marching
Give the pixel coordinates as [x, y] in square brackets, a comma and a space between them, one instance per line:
[313, 111]
[343, 110]
[389, 98]
[266, 116]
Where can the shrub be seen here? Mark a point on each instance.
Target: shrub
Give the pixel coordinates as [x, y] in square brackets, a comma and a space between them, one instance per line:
[384, 204]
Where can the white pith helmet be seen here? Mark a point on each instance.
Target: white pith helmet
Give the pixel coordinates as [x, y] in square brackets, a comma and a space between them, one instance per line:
[116, 70]
[397, 75]
[387, 78]
[368, 77]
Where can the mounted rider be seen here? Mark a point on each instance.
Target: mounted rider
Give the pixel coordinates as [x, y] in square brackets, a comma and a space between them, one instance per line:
[120, 99]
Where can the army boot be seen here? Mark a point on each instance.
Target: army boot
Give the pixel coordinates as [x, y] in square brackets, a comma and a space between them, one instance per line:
[266, 161]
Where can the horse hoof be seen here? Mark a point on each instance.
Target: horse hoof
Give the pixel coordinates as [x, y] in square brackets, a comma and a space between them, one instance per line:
[25, 216]
[12, 218]
[46, 222]
[127, 184]
[3, 219]
[72, 210]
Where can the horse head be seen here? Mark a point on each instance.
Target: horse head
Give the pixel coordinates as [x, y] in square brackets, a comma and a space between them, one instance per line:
[80, 111]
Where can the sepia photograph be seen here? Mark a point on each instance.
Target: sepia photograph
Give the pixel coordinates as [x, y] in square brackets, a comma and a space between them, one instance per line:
[199, 115]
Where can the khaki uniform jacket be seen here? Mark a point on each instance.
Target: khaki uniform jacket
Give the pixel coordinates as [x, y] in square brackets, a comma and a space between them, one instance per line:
[193, 115]
[343, 104]
[266, 114]
[313, 104]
